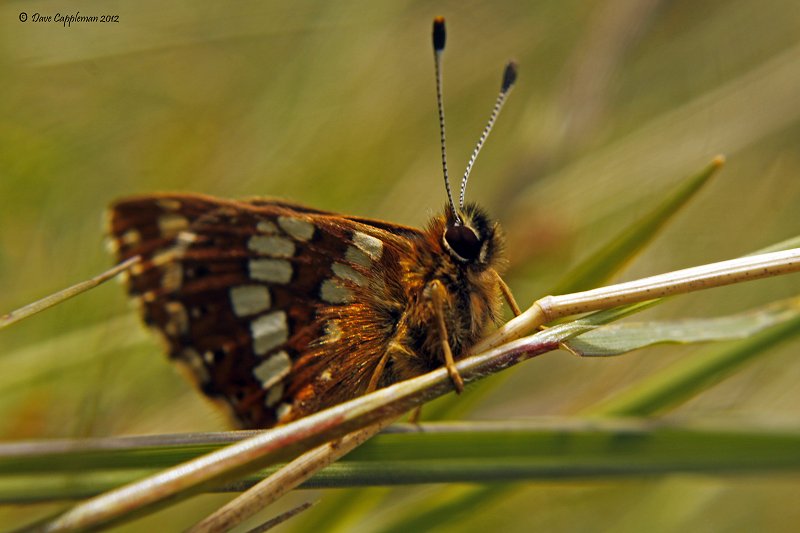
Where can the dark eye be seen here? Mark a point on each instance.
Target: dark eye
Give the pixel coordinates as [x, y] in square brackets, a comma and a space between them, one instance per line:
[463, 241]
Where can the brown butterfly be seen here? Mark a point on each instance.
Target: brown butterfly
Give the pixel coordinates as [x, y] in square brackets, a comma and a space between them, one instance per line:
[281, 310]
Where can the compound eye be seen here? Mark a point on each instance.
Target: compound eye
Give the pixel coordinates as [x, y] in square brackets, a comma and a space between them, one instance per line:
[463, 242]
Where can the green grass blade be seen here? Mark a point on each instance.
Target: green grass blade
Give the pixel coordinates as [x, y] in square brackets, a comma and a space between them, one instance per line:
[618, 339]
[687, 378]
[454, 502]
[489, 453]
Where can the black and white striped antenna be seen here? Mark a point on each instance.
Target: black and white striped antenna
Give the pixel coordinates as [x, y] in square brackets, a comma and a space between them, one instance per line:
[509, 77]
[439, 39]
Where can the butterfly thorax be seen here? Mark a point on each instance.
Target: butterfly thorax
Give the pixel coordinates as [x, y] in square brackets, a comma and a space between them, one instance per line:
[467, 269]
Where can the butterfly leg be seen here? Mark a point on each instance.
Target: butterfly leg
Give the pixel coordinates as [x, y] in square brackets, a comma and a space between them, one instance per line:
[438, 294]
[378, 372]
[506, 291]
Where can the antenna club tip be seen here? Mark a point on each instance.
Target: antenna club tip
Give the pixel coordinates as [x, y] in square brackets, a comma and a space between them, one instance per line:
[439, 34]
[718, 161]
[509, 76]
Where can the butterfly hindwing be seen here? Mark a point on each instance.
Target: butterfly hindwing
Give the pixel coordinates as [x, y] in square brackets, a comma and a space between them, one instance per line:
[277, 309]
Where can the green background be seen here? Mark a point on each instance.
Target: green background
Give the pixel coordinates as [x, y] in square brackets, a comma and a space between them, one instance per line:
[332, 105]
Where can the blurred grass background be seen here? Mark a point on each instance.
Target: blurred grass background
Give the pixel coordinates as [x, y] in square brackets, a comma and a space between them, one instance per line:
[332, 105]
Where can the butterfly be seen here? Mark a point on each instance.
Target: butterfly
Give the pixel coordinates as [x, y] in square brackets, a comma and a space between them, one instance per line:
[279, 310]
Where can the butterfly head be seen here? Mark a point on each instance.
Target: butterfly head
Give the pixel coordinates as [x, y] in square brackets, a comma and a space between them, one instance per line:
[472, 238]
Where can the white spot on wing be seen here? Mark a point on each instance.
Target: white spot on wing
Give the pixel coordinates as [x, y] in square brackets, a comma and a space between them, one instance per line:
[333, 332]
[372, 246]
[332, 292]
[249, 299]
[166, 257]
[178, 322]
[168, 204]
[300, 229]
[272, 270]
[130, 237]
[347, 272]
[195, 364]
[269, 331]
[172, 224]
[112, 245]
[265, 226]
[283, 410]
[172, 277]
[187, 237]
[271, 245]
[271, 371]
[356, 256]
[274, 395]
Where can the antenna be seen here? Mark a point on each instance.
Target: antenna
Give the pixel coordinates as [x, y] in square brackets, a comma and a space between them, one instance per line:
[509, 77]
[439, 38]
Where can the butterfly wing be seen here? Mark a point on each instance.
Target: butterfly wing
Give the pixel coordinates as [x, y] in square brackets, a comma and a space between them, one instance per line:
[276, 309]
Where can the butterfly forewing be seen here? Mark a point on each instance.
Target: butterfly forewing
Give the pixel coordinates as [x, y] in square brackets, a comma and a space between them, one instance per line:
[254, 297]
